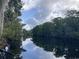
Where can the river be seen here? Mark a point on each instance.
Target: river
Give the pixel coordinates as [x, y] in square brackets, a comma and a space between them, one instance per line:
[35, 52]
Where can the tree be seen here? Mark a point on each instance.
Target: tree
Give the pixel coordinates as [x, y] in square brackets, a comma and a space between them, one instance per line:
[27, 34]
[13, 28]
[60, 36]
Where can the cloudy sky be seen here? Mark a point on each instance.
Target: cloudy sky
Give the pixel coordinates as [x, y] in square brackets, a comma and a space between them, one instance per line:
[35, 12]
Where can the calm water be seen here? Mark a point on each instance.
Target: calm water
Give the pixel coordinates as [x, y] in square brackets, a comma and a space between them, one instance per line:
[34, 52]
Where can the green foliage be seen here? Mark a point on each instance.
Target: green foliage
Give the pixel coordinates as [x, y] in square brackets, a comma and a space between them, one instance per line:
[41, 34]
[0, 3]
[26, 34]
[16, 6]
[12, 31]
[61, 36]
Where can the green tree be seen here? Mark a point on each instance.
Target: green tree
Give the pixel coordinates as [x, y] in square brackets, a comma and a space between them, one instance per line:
[27, 34]
[60, 36]
[13, 28]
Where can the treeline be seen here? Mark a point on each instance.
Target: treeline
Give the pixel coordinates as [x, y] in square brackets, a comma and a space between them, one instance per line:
[61, 35]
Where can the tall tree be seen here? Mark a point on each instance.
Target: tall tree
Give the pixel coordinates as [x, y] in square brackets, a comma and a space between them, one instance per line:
[13, 28]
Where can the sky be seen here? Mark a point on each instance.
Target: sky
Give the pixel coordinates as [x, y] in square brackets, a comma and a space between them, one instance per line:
[35, 12]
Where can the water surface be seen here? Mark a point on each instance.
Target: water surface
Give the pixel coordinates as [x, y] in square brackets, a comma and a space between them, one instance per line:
[35, 52]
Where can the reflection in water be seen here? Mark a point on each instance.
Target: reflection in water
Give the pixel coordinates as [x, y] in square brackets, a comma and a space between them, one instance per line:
[34, 52]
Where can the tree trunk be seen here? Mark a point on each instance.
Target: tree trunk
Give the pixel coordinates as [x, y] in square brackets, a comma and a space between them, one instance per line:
[3, 4]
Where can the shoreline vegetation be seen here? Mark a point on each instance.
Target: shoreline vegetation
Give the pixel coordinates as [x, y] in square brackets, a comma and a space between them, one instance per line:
[12, 30]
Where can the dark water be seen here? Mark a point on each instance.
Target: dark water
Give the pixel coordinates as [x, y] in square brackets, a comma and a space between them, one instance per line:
[34, 52]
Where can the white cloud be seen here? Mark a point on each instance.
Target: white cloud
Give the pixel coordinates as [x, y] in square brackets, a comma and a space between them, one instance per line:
[29, 4]
[58, 7]
[37, 21]
[48, 9]
[25, 42]
[27, 27]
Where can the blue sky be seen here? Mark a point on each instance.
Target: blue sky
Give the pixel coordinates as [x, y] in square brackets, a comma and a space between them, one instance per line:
[35, 12]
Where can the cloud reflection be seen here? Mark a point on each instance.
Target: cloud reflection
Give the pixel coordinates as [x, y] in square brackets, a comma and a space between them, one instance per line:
[34, 52]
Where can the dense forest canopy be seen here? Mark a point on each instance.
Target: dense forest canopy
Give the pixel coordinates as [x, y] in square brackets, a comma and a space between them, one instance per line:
[60, 36]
